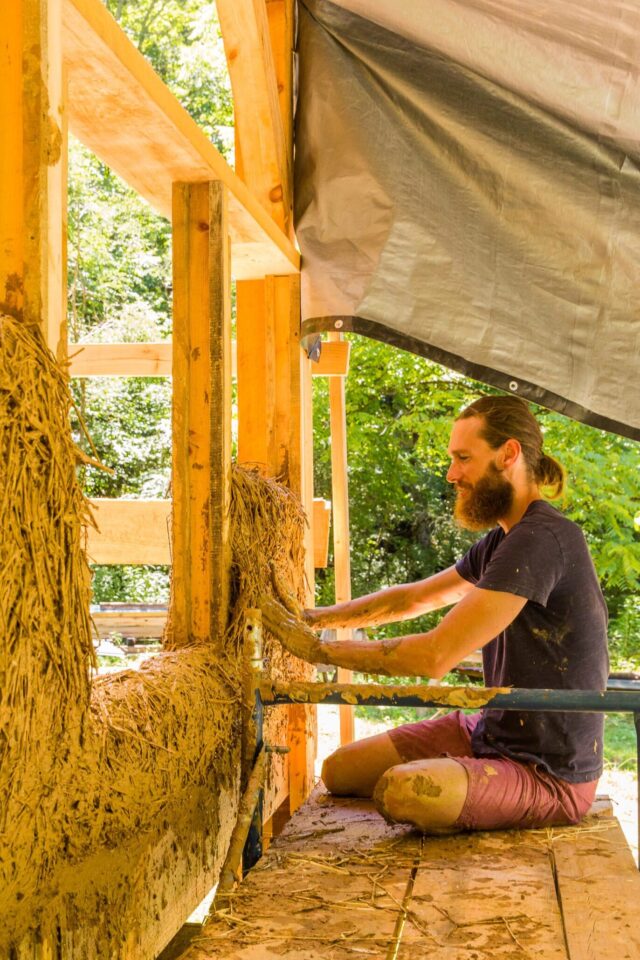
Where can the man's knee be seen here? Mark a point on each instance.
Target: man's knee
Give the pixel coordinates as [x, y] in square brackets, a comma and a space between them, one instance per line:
[430, 794]
[353, 770]
[335, 773]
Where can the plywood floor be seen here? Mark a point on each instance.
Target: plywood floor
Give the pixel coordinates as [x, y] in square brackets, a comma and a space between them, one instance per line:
[340, 883]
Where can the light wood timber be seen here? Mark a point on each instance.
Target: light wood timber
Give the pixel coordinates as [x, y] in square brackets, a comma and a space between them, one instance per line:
[321, 524]
[334, 359]
[120, 359]
[130, 623]
[121, 110]
[400, 895]
[599, 890]
[263, 161]
[256, 377]
[281, 17]
[256, 368]
[341, 541]
[201, 414]
[32, 167]
[130, 531]
[138, 531]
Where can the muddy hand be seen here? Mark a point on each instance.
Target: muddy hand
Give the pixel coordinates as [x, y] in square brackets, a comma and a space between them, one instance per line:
[284, 595]
[292, 634]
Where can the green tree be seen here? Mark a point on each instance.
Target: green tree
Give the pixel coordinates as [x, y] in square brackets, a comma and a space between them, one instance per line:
[399, 413]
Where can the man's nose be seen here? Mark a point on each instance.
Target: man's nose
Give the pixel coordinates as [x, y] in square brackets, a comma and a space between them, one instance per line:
[453, 474]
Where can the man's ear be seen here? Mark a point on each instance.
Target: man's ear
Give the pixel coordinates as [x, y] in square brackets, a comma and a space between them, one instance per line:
[509, 453]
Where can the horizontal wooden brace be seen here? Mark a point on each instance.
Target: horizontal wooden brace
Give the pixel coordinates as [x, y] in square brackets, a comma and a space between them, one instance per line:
[137, 532]
[155, 359]
[333, 360]
[123, 112]
[120, 359]
[130, 531]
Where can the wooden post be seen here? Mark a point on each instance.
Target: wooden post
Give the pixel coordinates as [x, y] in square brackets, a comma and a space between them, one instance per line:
[341, 544]
[32, 166]
[256, 377]
[201, 414]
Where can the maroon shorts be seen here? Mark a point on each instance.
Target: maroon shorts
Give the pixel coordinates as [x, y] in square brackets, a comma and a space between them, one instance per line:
[502, 793]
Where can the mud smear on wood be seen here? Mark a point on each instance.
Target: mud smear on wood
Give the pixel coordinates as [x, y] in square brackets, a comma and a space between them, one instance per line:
[106, 784]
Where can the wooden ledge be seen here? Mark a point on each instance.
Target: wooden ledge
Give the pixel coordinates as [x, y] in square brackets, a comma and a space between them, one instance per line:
[122, 111]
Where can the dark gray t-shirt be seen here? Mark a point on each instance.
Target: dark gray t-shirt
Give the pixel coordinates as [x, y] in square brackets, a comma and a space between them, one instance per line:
[558, 641]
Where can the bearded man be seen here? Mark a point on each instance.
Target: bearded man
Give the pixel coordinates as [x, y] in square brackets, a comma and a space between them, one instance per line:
[528, 595]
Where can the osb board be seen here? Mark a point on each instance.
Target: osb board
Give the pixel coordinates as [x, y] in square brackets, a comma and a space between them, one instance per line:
[341, 883]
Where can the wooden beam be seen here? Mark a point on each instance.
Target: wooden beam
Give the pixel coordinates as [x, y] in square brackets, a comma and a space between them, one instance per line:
[281, 17]
[261, 160]
[138, 532]
[341, 543]
[256, 377]
[130, 531]
[334, 359]
[201, 414]
[130, 623]
[321, 524]
[120, 359]
[121, 110]
[32, 167]
[255, 368]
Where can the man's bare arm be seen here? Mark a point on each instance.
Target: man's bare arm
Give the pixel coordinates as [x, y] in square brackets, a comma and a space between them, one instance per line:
[479, 617]
[402, 602]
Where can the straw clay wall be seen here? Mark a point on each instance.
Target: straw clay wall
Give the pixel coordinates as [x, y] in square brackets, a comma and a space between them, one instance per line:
[117, 796]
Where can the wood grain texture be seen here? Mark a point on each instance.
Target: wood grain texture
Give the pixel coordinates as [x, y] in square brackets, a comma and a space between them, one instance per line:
[334, 359]
[130, 531]
[33, 168]
[599, 890]
[201, 414]
[264, 161]
[256, 372]
[321, 525]
[120, 359]
[341, 538]
[120, 109]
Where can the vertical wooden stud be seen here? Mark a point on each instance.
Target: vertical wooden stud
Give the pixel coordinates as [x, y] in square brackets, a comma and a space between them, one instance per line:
[32, 166]
[201, 414]
[341, 544]
[256, 377]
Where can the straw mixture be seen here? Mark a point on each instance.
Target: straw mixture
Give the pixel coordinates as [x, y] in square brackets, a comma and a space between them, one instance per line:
[94, 769]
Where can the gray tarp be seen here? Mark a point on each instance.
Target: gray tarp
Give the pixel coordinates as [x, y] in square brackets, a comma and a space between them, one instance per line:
[468, 187]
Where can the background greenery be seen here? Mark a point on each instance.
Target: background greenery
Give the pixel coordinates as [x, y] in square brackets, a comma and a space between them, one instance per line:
[399, 407]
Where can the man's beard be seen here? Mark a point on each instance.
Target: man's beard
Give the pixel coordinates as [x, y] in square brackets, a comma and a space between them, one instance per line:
[487, 501]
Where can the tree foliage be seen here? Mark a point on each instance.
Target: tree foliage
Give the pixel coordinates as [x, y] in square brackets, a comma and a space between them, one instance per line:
[399, 413]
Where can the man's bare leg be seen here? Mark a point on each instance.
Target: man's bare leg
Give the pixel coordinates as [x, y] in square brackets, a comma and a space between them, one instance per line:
[429, 794]
[354, 770]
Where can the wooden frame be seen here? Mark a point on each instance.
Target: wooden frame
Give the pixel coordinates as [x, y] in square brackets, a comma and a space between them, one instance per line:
[262, 158]
[341, 544]
[120, 109]
[155, 359]
[201, 414]
[139, 531]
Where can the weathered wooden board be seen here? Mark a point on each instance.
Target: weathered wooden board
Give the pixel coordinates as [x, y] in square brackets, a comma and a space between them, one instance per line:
[341, 883]
[485, 894]
[331, 886]
[599, 890]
